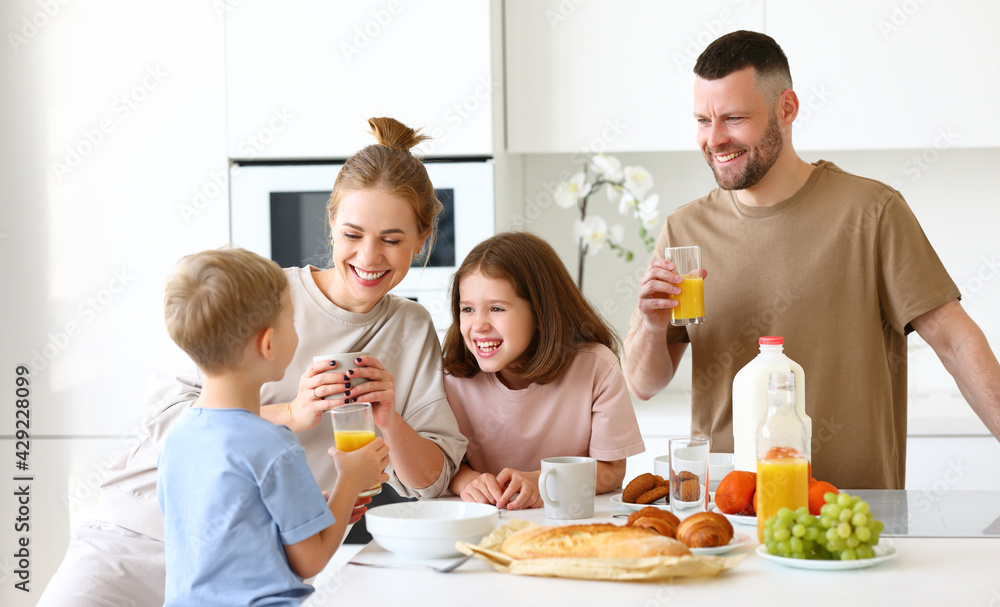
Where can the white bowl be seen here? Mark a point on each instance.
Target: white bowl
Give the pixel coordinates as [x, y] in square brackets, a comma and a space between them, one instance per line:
[719, 465]
[429, 529]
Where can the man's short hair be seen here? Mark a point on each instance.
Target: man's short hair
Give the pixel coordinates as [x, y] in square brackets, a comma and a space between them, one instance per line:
[217, 301]
[738, 50]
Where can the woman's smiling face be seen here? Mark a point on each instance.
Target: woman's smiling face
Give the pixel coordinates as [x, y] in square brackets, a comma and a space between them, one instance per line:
[374, 239]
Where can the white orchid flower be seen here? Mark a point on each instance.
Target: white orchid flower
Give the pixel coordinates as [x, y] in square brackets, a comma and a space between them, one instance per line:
[638, 181]
[592, 232]
[613, 192]
[607, 167]
[568, 193]
[648, 211]
[627, 202]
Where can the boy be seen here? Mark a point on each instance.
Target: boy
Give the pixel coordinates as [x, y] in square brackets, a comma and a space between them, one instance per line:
[244, 519]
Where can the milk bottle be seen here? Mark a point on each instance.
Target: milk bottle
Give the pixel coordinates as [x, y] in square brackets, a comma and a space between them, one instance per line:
[750, 399]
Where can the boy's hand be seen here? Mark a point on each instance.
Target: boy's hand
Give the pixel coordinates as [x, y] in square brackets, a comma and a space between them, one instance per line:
[363, 467]
[360, 506]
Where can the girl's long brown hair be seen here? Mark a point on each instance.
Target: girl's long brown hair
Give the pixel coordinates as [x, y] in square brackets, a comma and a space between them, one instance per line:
[564, 319]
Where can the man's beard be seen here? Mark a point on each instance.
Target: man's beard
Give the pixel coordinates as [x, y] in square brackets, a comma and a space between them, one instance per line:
[760, 160]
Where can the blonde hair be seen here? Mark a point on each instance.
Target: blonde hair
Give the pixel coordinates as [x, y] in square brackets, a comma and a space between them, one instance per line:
[216, 301]
[389, 166]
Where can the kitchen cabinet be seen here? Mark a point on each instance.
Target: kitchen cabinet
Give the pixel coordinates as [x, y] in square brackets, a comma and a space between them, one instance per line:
[609, 76]
[891, 74]
[303, 77]
[616, 77]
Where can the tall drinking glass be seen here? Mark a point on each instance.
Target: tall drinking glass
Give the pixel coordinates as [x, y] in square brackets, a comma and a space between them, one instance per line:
[691, 309]
[353, 428]
[688, 474]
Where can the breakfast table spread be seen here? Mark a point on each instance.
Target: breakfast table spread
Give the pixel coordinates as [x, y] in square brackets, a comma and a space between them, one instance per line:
[945, 549]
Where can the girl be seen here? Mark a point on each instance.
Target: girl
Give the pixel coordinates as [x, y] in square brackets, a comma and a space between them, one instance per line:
[531, 372]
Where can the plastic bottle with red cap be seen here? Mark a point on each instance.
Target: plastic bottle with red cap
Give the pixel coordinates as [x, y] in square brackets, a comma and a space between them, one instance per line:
[750, 398]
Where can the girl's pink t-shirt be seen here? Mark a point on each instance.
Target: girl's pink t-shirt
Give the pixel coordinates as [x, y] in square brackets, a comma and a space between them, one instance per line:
[586, 412]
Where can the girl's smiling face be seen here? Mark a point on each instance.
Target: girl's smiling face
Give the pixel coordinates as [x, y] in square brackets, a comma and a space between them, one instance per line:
[496, 324]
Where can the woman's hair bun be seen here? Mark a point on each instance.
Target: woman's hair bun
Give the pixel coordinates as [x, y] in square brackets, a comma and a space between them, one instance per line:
[394, 134]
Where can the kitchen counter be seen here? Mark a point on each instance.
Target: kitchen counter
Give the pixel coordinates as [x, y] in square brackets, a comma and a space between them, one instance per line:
[958, 569]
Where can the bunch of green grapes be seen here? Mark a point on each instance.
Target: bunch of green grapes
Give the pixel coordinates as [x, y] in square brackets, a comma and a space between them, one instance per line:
[844, 530]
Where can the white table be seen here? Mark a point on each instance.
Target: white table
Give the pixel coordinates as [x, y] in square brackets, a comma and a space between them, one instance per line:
[926, 571]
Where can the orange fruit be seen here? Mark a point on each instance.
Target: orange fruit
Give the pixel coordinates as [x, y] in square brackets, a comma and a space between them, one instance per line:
[736, 492]
[816, 492]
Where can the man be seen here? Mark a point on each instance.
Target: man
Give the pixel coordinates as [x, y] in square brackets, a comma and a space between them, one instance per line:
[834, 263]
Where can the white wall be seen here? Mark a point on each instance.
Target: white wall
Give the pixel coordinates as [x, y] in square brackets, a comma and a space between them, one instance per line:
[112, 124]
[951, 191]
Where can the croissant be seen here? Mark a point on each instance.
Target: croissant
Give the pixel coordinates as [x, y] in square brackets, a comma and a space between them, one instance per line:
[660, 521]
[662, 526]
[654, 512]
[705, 530]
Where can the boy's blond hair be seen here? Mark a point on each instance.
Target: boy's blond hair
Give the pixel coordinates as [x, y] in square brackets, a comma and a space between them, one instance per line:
[217, 301]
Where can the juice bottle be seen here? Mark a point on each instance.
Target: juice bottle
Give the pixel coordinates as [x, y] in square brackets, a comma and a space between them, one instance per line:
[782, 453]
[750, 399]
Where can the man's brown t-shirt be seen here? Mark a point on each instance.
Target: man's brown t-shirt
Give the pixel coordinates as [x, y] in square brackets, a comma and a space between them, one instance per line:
[839, 270]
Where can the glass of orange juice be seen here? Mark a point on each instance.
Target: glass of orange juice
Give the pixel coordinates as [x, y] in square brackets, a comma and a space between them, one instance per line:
[691, 309]
[353, 428]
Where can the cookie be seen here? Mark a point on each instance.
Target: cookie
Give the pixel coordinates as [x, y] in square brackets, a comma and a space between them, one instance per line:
[653, 494]
[638, 486]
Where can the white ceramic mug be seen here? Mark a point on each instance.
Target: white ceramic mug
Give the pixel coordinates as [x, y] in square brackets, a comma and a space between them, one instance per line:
[567, 486]
[345, 362]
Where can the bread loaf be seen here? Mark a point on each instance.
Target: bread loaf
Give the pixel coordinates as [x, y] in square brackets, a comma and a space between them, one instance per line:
[597, 540]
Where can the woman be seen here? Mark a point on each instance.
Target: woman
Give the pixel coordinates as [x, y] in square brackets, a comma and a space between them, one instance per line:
[382, 212]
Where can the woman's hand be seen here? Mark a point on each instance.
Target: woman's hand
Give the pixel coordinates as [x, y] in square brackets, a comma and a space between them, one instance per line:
[522, 484]
[379, 390]
[308, 406]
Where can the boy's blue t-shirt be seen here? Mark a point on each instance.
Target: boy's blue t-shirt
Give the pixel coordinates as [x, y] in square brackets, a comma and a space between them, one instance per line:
[234, 488]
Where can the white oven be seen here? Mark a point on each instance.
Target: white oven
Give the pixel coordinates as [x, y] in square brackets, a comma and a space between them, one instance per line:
[279, 211]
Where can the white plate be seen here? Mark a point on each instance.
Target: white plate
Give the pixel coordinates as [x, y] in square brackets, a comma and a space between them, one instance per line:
[738, 540]
[660, 503]
[882, 554]
[737, 519]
